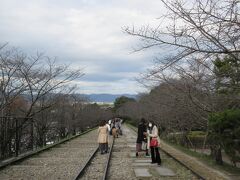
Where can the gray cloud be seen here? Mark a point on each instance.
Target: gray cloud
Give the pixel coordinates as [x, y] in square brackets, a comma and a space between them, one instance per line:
[83, 33]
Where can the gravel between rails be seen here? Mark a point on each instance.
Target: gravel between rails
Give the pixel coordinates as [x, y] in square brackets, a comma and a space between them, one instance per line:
[121, 163]
[61, 162]
[97, 167]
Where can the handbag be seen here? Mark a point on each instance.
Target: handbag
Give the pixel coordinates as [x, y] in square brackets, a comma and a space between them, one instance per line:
[154, 142]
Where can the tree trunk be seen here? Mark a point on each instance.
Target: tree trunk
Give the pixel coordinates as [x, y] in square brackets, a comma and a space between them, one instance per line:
[216, 153]
[218, 156]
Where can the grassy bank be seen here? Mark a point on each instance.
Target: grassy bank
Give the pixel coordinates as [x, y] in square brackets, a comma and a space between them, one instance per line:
[207, 159]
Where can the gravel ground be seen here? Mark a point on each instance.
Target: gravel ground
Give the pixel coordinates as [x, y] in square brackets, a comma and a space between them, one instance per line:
[65, 161]
[121, 163]
[61, 162]
[97, 167]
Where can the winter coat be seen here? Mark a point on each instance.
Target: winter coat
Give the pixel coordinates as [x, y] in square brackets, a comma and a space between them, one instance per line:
[114, 132]
[103, 134]
[108, 127]
[141, 129]
[153, 134]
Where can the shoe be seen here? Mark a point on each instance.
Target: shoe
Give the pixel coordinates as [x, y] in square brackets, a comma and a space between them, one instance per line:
[153, 162]
[159, 164]
[147, 155]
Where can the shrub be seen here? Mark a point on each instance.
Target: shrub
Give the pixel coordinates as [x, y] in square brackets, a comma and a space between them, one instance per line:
[224, 128]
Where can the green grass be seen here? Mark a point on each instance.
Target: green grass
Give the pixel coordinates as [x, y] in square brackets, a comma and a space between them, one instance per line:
[207, 159]
[197, 133]
[131, 126]
[193, 134]
[131, 122]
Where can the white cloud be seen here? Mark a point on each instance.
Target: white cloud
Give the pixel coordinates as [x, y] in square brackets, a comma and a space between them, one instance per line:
[116, 87]
[87, 33]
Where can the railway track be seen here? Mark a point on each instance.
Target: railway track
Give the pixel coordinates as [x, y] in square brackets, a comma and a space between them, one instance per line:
[73, 158]
[78, 158]
[97, 166]
[61, 161]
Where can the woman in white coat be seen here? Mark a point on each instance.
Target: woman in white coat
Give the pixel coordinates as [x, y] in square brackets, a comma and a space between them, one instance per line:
[153, 142]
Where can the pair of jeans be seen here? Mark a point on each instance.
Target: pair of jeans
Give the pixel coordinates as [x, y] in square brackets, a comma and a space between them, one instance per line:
[155, 155]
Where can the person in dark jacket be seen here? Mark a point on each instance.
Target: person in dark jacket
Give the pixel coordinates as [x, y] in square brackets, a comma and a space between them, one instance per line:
[142, 129]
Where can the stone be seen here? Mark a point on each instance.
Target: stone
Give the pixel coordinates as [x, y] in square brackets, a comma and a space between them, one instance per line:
[142, 172]
[132, 145]
[132, 155]
[143, 161]
[163, 171]
[143, 164]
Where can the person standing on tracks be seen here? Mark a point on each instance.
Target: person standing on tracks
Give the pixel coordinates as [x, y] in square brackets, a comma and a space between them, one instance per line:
[103, 137]
[118, 126]
[140, 136]
[109, 133]
[108, 124]
[153, 142]
[114, 132]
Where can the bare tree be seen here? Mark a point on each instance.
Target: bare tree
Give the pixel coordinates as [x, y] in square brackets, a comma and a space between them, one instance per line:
[197, 33]
[32, 81]
[199, 28]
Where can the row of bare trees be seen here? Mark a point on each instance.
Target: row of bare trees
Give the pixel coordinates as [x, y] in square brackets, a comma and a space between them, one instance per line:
[37, 102]
[197, 71]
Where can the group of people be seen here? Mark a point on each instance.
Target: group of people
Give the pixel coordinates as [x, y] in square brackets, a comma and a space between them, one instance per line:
[106, 128]
[115, 127]
[148, 139]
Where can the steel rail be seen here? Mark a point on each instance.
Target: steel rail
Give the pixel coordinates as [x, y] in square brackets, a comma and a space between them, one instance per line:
[108, 161]
[82, 170]
[194, 172]
[88, 162]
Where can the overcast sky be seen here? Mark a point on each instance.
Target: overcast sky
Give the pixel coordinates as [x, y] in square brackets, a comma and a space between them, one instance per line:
[84, 33]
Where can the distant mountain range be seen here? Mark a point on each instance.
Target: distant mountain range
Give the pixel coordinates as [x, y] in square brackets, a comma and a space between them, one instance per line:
[98, 98]
[106, 98]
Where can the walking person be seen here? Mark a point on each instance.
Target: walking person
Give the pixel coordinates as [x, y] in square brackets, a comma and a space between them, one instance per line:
[118, 126]
[108, 124]
[140, 138]
[103, 137]
[114, 132]
[154, 142]
[109, 133]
